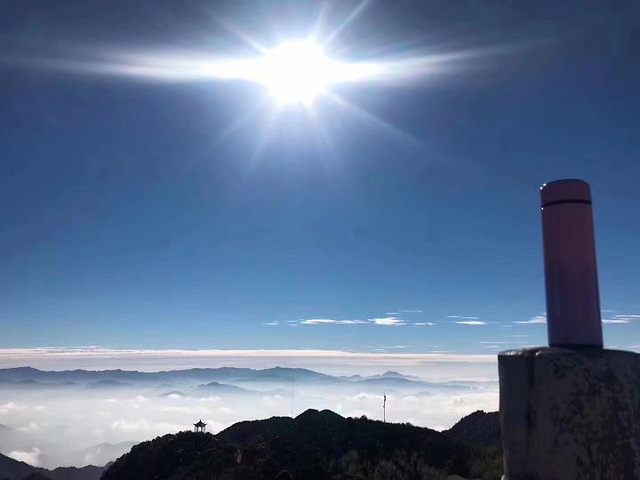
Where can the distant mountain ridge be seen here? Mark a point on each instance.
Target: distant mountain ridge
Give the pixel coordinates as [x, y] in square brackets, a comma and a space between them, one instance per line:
[28, 377]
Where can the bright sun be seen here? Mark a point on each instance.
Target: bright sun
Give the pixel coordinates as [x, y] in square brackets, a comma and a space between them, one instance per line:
[296, 72]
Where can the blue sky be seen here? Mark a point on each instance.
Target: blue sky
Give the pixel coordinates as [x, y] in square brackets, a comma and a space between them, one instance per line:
[134, 216]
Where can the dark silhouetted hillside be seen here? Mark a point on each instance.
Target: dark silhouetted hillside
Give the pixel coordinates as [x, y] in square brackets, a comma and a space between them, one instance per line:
[185, 455]
[37, 476]
[313, 446]
[11, 469]
[479, 428]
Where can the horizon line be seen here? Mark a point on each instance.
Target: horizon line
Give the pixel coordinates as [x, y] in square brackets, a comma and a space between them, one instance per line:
[96, 357]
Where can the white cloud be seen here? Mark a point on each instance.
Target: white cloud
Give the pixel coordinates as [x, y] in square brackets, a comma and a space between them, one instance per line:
[538, 319]
[31, 457]
[11, 407]
[32, 427]
[144, 427]
[621, 319]
[389, 347]
[114, 354]
[329, 321]
[271, 324]
[197, 410]
[471, 322]
[424, 324]
[388, 321]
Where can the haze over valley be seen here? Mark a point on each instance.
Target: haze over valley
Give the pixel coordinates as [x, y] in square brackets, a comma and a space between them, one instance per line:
[81, 417]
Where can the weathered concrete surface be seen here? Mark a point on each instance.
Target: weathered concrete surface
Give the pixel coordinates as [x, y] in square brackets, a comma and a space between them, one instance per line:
[570, 414]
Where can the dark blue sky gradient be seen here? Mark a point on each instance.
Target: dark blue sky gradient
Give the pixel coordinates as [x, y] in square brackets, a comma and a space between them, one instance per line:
[128, 220]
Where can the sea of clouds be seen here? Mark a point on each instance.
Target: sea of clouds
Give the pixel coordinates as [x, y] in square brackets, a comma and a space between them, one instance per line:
[77, 424]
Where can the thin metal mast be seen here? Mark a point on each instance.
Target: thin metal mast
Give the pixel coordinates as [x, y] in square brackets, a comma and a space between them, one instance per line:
[384, 409]
[292, 378]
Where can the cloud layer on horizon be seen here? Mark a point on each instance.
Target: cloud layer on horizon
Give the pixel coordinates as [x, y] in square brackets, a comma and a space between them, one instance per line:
[429, 365]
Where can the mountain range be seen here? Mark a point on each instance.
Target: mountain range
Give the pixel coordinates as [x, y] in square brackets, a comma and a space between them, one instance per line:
[32, 378]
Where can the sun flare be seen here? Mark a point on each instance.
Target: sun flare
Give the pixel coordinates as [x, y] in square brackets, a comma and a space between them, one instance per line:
[296, 72]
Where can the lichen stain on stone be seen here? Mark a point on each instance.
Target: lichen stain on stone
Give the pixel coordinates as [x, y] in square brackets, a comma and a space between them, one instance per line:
[582, 414]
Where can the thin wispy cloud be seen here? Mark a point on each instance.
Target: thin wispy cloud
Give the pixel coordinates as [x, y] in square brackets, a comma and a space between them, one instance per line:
[619, 321]
[330, 321]
[461, 317]
[411, 311]
[389, 347]
[616, 319]
[388, 321]
[272, 324]
[471, 322]
[424, 324]
[538, 319]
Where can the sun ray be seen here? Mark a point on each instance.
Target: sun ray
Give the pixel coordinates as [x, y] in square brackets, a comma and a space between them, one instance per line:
[263, 138]
[373, 121]
[245, 37]
[234, 126]
[320, 23]
[326, 143]
[349, 19]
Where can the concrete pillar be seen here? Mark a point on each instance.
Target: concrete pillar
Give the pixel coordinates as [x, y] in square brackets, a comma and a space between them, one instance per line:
[570, 412]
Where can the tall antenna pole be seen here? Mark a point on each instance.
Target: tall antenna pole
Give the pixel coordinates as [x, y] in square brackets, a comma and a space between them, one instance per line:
[292, 377]
[384, 409]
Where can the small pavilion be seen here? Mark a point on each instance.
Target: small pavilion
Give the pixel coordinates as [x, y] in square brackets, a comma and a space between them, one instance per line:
[200, 427]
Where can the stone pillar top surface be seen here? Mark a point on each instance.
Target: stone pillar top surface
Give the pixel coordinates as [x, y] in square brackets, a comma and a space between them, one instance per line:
[562, 351]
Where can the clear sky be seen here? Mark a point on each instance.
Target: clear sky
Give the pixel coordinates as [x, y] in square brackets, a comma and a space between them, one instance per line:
[147, 211]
